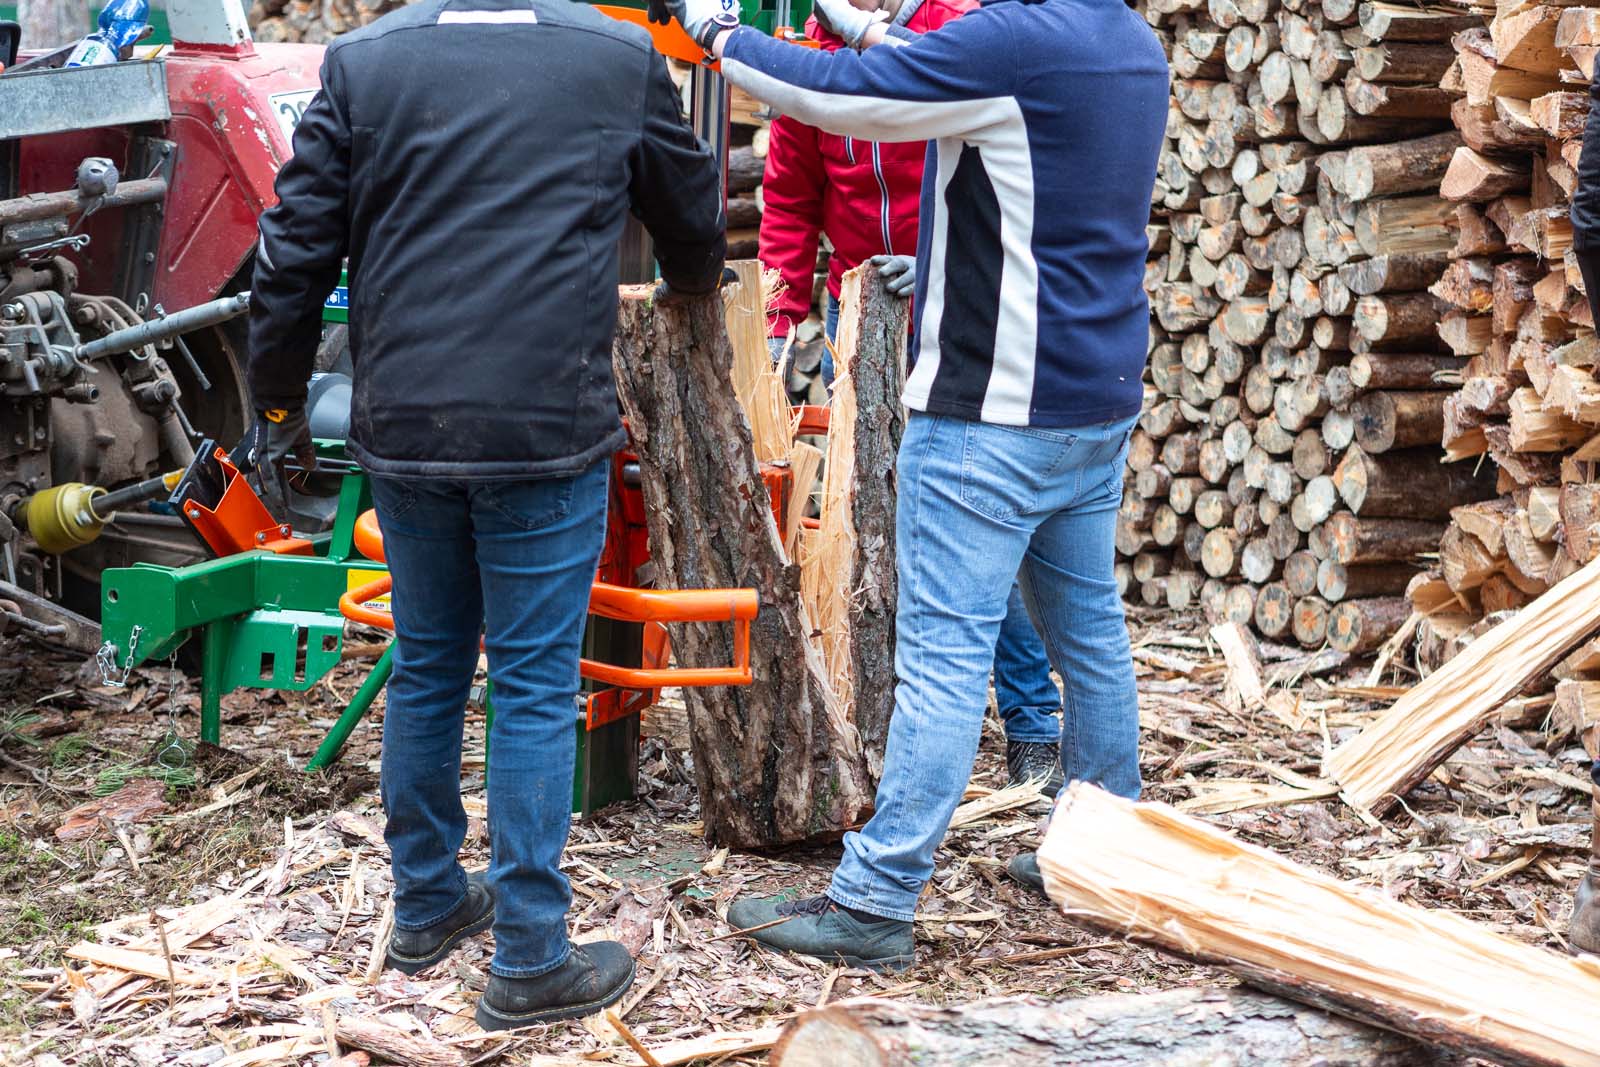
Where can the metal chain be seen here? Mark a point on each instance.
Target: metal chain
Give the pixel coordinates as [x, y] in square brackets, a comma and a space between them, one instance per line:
[175, 752]
[106, 660]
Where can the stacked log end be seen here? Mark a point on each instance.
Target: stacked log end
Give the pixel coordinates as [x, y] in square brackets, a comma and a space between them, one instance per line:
[1285, 470]
[1527, 408]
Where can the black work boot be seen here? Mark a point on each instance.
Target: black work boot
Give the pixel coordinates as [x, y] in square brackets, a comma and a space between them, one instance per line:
[817, 926]
[412, 950]
[594, 976]
[1584, 930]
[1027, 761]
[1024, 870]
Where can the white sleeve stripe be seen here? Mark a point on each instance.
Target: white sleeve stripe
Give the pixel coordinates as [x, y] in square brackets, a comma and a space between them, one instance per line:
[261, 251]
[871, 118]
[487, 18]
[1008, 159]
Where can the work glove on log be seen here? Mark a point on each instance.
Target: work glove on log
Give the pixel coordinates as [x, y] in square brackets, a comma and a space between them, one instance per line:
[847, 20]
[899, 274]
[275, 436]
[665, 294]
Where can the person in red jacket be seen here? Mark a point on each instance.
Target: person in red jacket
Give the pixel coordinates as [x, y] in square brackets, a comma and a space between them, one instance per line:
[865, 196]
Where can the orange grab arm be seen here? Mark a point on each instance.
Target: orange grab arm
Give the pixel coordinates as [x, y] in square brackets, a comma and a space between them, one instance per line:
[738, 606]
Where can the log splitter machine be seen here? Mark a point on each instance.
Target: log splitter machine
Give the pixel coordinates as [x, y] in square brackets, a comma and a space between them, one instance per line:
[269, 608]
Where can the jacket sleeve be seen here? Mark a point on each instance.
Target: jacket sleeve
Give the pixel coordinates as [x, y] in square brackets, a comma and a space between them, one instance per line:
[960, 80]
[1586, 203]
[676, 190]
[304, 239]
[792, 219]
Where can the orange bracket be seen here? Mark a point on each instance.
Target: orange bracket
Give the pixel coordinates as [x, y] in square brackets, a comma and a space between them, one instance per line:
[812, 420]
[240, 522]
[671, 40]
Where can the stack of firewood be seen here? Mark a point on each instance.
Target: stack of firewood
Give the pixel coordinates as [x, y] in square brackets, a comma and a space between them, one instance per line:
[1528, 399]
[314, 21]
[1285, 471]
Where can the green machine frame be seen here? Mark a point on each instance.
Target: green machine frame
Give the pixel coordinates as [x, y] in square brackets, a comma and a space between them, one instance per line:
[267, 620]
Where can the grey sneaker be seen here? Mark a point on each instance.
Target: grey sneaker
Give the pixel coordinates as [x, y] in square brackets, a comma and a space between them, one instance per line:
[1028, 760]
[412, 950]
[1024, 869]
[817, 926]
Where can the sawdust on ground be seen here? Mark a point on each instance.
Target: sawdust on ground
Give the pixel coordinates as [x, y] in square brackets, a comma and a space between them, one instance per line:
[239, 921]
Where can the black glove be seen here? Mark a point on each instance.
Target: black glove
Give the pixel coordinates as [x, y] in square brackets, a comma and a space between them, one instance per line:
[275, 436]
[660, 11]
[666, 294]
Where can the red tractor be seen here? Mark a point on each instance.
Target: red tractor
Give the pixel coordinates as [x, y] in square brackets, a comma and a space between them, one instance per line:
[128, 197]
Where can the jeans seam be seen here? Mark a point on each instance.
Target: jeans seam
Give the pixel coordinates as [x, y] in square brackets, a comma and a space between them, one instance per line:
[1069, 707]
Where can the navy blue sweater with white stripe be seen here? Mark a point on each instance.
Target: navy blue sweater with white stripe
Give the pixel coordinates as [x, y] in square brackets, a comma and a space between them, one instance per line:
[1044, 121]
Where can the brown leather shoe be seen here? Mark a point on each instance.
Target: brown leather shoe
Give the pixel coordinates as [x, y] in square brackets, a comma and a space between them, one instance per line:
[1584, 930]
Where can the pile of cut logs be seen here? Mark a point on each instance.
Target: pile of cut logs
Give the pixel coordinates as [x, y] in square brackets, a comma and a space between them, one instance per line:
[1286, 472]
[314, 21]
[1515, 308]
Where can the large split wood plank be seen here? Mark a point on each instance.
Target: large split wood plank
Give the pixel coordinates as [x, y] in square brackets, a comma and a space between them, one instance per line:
[872, 352]
[1419, 731]
[1173, 1028]
[1152, 874]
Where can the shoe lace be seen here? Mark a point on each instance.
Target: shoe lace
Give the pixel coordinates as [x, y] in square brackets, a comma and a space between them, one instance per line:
[1034, 754]
[817, 905]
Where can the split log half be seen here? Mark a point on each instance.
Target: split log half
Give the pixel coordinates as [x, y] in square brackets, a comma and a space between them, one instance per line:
[1147, 872]
[776, 761]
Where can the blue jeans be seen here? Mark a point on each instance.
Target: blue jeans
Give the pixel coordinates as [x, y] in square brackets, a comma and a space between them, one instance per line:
[512, 560]
[982, 505]
[830, 330]
[1023, 689]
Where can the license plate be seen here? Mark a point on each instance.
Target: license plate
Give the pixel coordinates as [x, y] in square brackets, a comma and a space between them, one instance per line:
[288, 107]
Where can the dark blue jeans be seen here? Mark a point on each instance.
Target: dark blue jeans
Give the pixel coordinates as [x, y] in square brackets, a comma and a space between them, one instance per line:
[1029, 702]
[513, 561]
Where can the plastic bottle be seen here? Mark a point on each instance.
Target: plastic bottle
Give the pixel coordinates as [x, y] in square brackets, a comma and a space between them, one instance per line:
[122, 22]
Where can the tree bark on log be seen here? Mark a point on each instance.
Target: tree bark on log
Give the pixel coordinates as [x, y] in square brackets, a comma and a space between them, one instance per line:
[1174, 1028]
[1361, 626]
[872, 346]
[775, 761]
[1409, 484]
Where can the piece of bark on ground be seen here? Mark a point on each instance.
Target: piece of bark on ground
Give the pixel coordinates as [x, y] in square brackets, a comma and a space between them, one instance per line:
[1174, 1028]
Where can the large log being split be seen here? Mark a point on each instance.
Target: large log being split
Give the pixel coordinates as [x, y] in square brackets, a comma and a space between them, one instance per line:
[779, 760]
[1175, 1028]
[1147, 872]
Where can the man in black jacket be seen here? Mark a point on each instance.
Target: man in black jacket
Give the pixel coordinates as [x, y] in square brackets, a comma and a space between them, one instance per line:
[1584, 932]
[475, 161]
